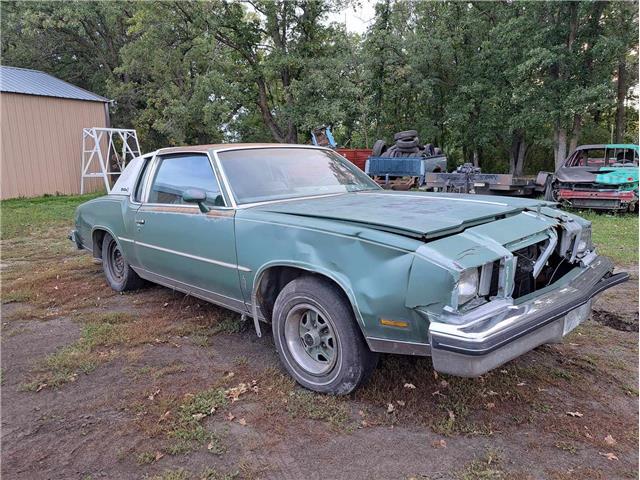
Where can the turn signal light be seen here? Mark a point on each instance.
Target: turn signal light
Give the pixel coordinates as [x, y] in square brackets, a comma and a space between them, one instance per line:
[394, 323]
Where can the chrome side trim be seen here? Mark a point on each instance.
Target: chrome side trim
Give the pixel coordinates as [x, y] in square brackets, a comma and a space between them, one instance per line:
[213, 297]
[384, 345]
[123, 239]
[194, 257]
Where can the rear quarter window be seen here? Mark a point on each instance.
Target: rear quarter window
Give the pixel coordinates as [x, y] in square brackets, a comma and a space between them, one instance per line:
[137, 197]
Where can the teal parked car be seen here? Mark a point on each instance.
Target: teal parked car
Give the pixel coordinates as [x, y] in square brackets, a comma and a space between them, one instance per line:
[598, 177]
[299, 238]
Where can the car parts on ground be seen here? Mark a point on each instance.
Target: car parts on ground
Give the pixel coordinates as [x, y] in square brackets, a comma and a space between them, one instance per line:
[598, 177]
[404, 164]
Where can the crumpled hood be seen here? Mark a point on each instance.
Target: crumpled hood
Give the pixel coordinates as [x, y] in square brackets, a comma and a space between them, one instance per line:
[595, 174]
[417, 214]
[577, 174]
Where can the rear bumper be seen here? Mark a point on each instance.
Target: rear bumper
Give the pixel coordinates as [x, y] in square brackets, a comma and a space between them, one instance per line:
[472, 344]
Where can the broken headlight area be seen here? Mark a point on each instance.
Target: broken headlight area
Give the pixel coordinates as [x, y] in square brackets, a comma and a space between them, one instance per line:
[467, 288]
[533, 267]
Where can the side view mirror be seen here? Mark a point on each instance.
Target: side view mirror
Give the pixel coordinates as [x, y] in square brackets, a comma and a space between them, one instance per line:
[195, 195]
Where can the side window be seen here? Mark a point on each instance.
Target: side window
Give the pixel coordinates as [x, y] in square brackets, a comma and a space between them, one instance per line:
[588, 158]
[137, 197]
[177, 173]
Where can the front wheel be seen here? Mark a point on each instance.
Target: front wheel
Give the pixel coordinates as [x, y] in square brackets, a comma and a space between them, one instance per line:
[119, 274]
[551, 192]
[317, 337]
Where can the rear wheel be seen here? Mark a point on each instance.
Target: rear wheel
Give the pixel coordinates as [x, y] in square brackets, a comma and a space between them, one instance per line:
[119, 274]
[317, 338]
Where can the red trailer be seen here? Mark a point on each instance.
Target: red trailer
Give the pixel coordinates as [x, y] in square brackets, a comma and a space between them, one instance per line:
[357, 156]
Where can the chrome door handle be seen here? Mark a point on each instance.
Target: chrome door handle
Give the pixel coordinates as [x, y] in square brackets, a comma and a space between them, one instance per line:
[140, 222]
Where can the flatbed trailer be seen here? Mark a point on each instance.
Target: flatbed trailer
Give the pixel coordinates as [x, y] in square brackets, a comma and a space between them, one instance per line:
[469, 179]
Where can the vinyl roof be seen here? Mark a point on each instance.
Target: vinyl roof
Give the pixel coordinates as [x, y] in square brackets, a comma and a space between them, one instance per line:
[34, 82]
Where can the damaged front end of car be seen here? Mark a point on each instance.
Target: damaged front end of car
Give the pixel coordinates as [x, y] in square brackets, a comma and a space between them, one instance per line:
[517, 283]
[614, 189]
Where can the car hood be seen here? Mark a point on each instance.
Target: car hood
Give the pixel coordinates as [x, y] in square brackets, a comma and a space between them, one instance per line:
[415, 214]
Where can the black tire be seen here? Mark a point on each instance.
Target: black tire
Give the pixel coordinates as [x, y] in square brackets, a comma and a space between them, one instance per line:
[411, 153]
[120, 276]
[391, 152]
[406, 135]
[407, 145]
[378, 148]
[350, 362]
[551, 191]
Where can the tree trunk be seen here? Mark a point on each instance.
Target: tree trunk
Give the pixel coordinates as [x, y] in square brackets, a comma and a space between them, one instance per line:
[559, 145]
[522, 151]
[513, 153]
[621, 94]
[517, 153]
[476, 158]
[268, 119]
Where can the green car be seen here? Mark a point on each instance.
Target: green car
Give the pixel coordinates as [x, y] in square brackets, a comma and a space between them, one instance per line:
[298, 237]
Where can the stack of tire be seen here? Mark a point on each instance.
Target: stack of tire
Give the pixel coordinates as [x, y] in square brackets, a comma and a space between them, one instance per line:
[407, 144]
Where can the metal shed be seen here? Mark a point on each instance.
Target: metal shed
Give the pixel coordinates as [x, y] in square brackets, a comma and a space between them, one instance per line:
[41, 122]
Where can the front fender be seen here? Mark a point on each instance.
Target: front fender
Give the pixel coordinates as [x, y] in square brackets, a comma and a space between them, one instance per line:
[341, 280]
[370, 267]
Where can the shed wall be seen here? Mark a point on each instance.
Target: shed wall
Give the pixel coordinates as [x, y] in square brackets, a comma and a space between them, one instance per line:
[41, 144]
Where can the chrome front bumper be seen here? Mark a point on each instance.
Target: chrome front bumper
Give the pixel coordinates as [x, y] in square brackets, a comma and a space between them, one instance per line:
[470, 345]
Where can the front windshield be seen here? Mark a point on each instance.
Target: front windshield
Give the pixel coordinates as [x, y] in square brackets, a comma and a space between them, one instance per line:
[264, 174]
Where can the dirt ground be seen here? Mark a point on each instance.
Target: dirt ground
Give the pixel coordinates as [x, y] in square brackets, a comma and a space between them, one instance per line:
[153, 384]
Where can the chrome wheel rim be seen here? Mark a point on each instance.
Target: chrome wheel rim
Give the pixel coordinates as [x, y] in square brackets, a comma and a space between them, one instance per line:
[116, 262]
[311, 339]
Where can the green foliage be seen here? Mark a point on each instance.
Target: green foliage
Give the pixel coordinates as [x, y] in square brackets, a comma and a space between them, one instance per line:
[510, 85]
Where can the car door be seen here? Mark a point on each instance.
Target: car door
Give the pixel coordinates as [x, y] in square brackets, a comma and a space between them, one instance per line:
[178, 245]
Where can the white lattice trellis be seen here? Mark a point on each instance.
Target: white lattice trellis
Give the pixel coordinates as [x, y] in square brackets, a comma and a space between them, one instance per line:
[105, 152]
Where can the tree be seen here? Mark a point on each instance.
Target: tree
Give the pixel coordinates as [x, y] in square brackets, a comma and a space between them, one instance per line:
[621, 27]
[502, 84]
[78, 42]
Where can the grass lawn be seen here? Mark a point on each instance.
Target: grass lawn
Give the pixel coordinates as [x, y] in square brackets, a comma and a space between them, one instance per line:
[615, 236]
[20, 217]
